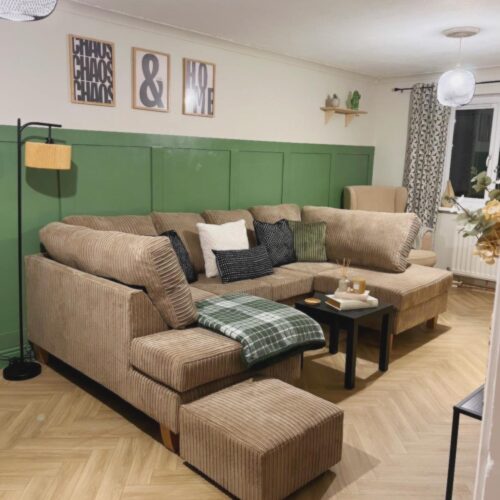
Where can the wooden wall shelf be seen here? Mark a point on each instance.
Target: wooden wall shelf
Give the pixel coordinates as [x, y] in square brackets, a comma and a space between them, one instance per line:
[348, 113]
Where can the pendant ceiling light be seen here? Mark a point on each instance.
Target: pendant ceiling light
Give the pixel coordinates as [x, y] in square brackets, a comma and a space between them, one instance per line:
[456, 87]
[26, 10]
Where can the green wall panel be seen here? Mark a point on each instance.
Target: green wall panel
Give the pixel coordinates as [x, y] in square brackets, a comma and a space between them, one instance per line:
[107, 180]
[191, 180]
[307, 179]
[351, 167]
[256, 178]
[117, 173]
[8, 247]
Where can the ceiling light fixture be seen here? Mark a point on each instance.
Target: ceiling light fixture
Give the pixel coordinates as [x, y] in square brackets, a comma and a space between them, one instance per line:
[26, 10]
[456, 87]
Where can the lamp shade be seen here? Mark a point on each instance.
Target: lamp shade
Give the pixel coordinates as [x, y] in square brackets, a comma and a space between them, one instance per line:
[26, 10]
[49, 156]
[456, 87]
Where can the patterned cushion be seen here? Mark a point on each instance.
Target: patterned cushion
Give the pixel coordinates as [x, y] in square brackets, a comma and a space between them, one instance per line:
[309, 241]
[237, 265]
[145, 261]
[278, 240]
[182, 255]
[185, 225]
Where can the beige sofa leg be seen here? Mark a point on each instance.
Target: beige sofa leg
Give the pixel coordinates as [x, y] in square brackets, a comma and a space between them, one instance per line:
[41, 355]
[432, 323]
[170, 439]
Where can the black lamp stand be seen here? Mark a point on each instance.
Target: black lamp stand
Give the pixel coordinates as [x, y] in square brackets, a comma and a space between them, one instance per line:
[19, 368]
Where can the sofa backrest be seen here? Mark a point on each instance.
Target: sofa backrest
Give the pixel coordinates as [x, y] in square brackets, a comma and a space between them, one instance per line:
[274, 213]
[369, 239]
[224, 216]
[184, 224]
[144, 261]
[375, 198]
[132, 224]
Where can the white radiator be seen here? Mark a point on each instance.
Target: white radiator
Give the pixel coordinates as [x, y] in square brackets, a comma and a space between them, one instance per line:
[465, 263]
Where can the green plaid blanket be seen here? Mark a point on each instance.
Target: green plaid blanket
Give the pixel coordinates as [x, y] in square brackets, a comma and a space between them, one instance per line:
[264, 328]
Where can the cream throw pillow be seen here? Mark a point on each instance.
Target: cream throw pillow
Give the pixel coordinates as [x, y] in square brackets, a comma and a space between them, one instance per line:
[229, 236]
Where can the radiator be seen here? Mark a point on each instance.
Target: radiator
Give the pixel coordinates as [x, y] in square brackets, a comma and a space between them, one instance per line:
[464, 263]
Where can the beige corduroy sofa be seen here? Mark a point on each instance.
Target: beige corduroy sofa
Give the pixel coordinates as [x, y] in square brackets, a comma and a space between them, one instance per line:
[115, 332]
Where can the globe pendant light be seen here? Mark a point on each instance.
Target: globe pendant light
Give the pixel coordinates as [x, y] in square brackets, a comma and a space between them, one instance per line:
[456, 87]
[26, 10]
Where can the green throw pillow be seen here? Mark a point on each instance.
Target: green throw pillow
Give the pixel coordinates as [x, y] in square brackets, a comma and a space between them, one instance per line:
[309, 240]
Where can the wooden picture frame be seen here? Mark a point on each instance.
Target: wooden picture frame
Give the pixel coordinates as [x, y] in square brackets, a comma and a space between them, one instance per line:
[150, 92]
[92, 71]
[198, 100]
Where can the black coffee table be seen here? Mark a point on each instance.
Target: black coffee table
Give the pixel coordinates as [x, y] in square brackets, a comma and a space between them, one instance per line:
[349, 321]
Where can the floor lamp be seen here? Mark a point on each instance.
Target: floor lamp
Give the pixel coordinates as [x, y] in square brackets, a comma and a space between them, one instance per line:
[45, 155]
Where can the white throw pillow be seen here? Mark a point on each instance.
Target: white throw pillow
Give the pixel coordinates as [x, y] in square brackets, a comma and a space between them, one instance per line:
[229, 236]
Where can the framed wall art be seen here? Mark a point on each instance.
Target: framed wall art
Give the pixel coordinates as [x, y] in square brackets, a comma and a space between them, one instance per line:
[199, 88]
[150, 80]
[92, 71]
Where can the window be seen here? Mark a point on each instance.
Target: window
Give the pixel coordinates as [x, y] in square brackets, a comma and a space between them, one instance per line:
[473, 146]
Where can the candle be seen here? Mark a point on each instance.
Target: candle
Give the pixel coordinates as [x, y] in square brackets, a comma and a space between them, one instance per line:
[358, 285]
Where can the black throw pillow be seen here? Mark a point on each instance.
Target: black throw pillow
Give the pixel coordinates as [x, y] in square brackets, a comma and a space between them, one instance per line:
[182, 255]
[237, 265]
[278, 240]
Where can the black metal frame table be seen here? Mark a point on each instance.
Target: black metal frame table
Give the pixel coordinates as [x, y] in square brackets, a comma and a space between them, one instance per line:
[472, 406]
[349, 321]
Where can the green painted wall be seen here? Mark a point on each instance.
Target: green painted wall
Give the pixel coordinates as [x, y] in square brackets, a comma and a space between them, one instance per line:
[122, 173]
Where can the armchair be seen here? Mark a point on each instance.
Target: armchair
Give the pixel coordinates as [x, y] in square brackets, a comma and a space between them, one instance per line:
[391, 199]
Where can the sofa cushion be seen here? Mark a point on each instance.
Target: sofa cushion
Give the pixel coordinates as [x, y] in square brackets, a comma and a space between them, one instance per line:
[185, 226]
[133, 224]
[277, 237]
[224, 216]
[184, 359]
[256, 286]
[237, 265]
[198, 294]
[145, 261]
[309, 241]
[403, 290]
[286, 284]
[183, 255]
[274, 213]
[228, 236]
[422, 257]
[312, 268]
[369, 239]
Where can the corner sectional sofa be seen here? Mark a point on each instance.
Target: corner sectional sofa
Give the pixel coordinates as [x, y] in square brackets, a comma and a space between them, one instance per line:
[108, 298]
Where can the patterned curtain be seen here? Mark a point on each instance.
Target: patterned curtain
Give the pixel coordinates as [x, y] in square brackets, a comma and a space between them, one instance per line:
[425, 152]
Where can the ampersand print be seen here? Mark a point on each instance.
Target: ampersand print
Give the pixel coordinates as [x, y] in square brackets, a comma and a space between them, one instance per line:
[151, 89]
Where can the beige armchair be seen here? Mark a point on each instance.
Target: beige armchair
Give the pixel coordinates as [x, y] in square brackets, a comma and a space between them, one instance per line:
[391, 199]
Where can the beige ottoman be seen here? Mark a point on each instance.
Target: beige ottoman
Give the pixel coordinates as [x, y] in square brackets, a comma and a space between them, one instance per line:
[262, 438]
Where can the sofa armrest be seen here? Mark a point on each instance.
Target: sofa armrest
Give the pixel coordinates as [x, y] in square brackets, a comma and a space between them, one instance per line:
[427, 239]
[87, 321]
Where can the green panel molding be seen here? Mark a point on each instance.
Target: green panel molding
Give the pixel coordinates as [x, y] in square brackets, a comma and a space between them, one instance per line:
[119, 173]
[256, 178]
[307, 179]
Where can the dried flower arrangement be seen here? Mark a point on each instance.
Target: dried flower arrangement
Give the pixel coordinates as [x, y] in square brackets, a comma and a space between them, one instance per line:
[484, 223]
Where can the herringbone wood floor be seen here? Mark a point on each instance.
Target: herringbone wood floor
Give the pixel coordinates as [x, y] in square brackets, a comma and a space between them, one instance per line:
[64, 437]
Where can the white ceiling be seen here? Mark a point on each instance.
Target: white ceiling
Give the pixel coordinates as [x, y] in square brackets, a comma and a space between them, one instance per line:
[380, 38]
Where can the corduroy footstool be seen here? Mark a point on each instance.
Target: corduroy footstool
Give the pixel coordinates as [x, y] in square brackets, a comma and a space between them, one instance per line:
[261, 439]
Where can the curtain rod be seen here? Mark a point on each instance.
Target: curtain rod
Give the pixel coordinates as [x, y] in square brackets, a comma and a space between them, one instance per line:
[402, 89]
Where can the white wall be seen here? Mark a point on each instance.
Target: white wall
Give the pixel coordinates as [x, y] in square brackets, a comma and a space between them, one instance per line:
[391, 111]
[258, 95]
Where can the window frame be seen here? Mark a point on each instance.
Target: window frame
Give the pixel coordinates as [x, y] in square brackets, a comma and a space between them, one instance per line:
[479, 102]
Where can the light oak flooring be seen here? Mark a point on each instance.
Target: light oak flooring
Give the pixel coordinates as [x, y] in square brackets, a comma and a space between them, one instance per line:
[64, 437]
